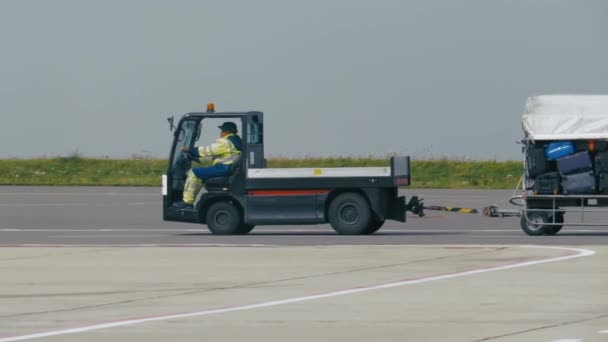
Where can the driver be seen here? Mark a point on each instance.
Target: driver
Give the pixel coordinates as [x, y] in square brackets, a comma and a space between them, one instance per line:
[225, 151]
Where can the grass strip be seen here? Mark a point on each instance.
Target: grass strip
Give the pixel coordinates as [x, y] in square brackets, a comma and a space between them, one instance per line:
[75, 170]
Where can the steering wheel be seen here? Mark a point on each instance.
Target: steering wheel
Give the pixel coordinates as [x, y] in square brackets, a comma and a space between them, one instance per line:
[182, 164]
[189, 157]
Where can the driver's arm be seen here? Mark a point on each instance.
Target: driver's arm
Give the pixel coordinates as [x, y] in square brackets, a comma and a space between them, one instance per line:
[217, 148]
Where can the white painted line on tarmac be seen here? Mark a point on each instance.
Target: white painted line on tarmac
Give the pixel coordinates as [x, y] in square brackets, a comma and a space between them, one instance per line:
[104, 236]
[579, 253]
[139, 245]
[603, 332]
[18, 205]
[569, 340]
[77, 193]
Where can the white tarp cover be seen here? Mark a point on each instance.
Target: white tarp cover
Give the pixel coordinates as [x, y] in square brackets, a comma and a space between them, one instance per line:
[566, 117]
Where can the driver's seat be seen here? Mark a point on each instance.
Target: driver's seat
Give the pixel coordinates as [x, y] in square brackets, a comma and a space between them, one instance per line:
[222, 184]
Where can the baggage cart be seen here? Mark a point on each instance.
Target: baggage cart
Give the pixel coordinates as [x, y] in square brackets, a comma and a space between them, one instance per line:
[550, 119]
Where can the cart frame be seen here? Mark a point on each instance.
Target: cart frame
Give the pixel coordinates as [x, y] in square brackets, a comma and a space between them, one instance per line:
[544, 214]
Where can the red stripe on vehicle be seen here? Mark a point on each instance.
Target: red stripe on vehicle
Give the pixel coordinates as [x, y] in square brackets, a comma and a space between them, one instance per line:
[286, 192]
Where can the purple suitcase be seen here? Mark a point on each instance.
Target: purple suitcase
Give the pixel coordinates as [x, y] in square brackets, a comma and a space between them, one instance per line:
[579, 183]
[575, 163]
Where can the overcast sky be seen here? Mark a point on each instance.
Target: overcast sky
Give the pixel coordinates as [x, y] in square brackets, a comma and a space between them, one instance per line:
[424, 78]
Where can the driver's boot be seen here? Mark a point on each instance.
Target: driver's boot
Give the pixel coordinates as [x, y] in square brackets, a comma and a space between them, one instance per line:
[191, 189]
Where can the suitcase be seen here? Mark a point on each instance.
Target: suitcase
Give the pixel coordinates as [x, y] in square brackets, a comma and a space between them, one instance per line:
[601, 146]
[601, 162]
[559, 149]
[579, 183]
[536, 162]
[602, 183]
[547, 184]
[575, 163]
[581, 145]
[593, 146]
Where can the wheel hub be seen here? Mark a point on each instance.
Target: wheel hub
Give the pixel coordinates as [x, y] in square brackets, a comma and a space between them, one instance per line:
[349, 214]
[222, 218]
[536, 222]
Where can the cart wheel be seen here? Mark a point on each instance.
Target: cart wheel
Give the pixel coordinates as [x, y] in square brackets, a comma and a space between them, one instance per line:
[534, 225]
[223, 218]
[374, 226]
[244, 229]
[551, 229]
[349, 214]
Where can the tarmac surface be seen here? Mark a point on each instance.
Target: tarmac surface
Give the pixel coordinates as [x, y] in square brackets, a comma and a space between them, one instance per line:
[93, 264]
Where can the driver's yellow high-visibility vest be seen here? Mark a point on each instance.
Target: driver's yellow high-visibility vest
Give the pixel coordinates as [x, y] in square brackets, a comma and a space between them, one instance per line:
[223, 151]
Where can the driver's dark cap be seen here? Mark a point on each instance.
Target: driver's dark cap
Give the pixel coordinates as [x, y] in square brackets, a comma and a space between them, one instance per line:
[228, 126]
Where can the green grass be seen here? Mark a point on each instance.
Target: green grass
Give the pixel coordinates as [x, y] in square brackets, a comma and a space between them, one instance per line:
[75, 170]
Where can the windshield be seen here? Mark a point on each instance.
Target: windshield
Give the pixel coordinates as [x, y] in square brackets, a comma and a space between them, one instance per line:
[184, 137]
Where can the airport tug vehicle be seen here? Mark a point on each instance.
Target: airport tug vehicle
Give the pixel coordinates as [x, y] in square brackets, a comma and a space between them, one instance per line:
[354, 200]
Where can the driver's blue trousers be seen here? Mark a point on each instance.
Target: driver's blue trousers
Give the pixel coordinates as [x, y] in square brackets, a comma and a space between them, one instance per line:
[198, 175]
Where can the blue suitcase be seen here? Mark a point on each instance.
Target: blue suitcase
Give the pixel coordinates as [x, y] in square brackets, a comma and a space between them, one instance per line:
[559, 149]
[575, 163]
[579, 183]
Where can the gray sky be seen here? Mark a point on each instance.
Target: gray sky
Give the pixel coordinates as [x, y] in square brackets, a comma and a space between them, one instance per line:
[424, 78]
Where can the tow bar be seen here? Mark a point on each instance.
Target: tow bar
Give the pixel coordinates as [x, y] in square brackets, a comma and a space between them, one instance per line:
[416, 206]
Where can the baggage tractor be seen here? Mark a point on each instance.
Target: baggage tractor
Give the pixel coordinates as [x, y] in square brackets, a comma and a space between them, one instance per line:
[602, 183]
[601, 162]
[536, 162]
[579, 183]
[575, 163]
[559, 149]
[547, 184]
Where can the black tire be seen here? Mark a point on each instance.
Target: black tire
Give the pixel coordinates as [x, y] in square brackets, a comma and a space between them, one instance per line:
[244, 229]
[224, 218]
[554, 229]
[534, 225]
[349, 214]
[374, 227]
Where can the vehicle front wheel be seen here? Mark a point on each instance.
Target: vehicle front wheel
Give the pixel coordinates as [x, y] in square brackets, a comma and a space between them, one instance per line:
[374, 226]
[534, 224]
[350, 214]
[224, 218]
[244, 229]
[559, 221]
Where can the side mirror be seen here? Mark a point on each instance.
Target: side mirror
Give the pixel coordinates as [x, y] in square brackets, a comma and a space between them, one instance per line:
[171, 121]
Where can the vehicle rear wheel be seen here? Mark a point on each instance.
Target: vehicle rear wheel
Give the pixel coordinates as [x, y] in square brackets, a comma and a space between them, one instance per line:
[534, 225]
[554, 229]
[244, 229]
[223, 218]
[374, 226]
[350, 214]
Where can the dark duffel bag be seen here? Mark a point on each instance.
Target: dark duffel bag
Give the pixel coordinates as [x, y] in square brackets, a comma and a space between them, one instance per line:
[581, 145]
[601, 146]
[547, 184]
[601, 162]
[536, 162]
[602, 183]
[579, 183]
[575, 163]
